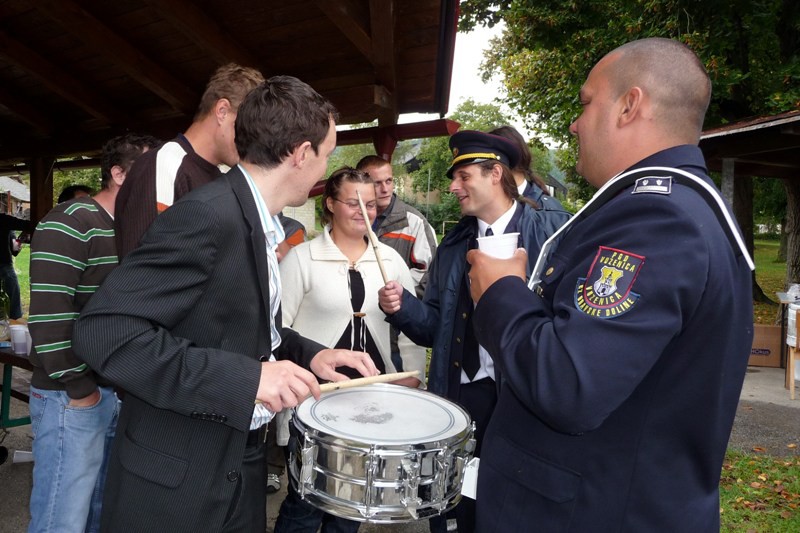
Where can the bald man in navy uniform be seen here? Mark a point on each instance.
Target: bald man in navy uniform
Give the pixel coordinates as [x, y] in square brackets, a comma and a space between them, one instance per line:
[623, 369]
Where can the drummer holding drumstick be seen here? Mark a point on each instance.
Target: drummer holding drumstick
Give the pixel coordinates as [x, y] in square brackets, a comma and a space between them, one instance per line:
[330, 287]
[188, 323]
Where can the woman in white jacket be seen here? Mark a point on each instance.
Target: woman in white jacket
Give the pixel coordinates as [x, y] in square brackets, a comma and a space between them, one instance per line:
[330, 294]
[330, 284]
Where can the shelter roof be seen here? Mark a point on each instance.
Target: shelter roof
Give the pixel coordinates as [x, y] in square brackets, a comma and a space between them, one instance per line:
[73, 73]
[767, 146]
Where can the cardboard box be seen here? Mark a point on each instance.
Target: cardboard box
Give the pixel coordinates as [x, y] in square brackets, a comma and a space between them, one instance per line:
[766, 349]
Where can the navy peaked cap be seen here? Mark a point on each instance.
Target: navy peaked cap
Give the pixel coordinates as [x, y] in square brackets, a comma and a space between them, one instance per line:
[470, 147]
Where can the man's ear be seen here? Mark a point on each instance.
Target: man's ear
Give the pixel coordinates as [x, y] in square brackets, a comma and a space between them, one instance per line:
[632, 102]
[118, 175]
[497, 174]
[221, 109]
[300, 154]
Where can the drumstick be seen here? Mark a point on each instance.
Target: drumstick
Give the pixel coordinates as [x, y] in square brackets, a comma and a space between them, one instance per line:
[373, 239]
[358, 382]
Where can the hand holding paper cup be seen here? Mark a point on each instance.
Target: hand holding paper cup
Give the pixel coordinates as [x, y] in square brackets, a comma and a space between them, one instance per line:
[499, 246]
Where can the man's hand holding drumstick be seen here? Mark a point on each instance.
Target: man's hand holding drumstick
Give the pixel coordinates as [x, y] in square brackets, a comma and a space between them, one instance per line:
[284, 384]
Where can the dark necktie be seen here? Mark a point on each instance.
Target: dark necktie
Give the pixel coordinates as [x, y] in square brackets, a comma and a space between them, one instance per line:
[489, 232]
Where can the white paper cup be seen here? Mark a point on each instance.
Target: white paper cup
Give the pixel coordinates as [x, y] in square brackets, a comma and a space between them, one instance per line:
[19, 339]
[499, 246]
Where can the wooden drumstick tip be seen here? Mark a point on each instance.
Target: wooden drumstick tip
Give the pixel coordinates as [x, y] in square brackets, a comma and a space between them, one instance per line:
[360, 382]
[373, 239]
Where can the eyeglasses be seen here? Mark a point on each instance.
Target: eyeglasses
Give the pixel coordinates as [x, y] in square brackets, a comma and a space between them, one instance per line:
[353, 204]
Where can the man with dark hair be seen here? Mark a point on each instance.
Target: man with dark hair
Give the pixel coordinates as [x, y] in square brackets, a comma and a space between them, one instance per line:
[398, 224]
[623, 369]
[9, 249]
[460, 369]
[187, 162]
[73, 410]
[74, 191]
[189, 322]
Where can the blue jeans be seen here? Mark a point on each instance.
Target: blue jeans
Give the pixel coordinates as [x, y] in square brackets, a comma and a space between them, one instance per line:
[70, 452]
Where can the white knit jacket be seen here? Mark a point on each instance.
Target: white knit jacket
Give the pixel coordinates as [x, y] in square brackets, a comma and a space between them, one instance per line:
[316, 298]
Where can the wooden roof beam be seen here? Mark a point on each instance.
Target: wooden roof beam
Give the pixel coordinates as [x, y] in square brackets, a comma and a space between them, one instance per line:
[345, 14]
[73, 18]
[27, 112]
[203, 31]
[382, 23]
[58, 80]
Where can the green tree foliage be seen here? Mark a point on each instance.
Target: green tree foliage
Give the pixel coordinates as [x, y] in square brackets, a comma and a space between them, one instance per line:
[750, 48]
[435, 157]
[769, 203]
[64, 178]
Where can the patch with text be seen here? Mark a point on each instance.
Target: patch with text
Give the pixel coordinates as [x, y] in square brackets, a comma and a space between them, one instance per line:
[606, 292]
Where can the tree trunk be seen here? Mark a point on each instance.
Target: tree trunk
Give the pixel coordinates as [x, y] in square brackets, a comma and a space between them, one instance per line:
[792, 230]
[743, 211]
[782, 248]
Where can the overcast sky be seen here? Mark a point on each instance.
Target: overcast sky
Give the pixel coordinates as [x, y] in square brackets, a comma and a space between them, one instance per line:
[466, 81]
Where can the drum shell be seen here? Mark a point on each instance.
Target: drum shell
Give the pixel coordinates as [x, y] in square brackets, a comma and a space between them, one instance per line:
[372, 482]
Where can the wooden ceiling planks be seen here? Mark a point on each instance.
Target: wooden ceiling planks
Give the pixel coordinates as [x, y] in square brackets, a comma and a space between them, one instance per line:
[76, 72]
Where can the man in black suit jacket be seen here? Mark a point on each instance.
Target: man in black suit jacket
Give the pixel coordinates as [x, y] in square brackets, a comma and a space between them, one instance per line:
[184, 327]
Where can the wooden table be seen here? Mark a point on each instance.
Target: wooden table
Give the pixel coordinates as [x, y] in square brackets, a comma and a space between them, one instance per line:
[9, 360]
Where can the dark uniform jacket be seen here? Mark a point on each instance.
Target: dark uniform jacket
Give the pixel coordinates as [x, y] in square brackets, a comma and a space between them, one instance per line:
[440, 319]
[621, 382]
[180, 325]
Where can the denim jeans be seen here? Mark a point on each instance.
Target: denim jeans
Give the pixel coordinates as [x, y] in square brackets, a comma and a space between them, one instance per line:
[70, 452]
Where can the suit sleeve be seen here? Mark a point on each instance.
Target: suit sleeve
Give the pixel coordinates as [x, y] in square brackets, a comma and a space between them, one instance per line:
[572, 368]
[125, 332]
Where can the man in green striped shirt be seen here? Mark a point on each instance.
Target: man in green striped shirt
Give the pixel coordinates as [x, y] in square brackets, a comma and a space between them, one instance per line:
[73, 411]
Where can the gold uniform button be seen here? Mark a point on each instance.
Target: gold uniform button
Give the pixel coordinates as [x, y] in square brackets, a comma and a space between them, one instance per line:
[549, 271]
[464, 316]
[458, 340]
[455, 364]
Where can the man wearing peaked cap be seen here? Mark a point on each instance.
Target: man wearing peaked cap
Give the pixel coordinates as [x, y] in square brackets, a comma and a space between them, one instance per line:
[460, 369]
[470, 147]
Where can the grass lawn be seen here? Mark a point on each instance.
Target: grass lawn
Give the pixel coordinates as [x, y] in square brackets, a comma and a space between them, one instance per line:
[770, 275]
[758, 493]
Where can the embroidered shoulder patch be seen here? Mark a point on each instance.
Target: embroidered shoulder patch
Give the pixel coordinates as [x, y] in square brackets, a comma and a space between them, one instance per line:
[606, 292]
[653, 185]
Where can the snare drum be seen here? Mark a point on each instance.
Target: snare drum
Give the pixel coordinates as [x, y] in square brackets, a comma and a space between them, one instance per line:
[381, 453]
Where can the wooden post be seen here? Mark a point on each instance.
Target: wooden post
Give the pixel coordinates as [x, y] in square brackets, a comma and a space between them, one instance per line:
[41, 187]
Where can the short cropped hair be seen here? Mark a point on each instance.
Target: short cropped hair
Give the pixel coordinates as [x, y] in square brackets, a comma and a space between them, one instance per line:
[370, 161]
[673, 76]
[334, 184]
[279, 115]
[229, 81]
[121, 151]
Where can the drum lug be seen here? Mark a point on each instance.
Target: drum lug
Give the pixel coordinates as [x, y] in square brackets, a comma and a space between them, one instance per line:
[439, 491]
[308, 453]
[411, 500]
[469, 447]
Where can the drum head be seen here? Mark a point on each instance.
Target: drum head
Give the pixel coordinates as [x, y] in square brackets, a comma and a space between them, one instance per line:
[384, 415]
